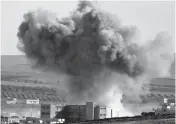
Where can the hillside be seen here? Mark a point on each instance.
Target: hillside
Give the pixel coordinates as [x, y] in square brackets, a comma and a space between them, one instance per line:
[17, 66]
[16, 70]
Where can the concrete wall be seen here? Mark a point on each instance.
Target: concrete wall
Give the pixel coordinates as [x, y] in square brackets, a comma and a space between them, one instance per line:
[89, 110]
[53, 111]
[73, 113]
[97, 112]
[103, 112]
[45, 111]
[100, 112]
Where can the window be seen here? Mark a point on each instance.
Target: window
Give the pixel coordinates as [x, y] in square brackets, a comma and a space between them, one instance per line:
[172, 104]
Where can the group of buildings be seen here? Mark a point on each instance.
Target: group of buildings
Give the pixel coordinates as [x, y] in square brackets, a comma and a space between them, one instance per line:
[89, 111]
[79, 113]
[69, 113]
[19, 103]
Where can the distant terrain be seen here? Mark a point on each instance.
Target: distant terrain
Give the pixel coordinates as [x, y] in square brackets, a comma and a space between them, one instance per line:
[17, 70]
[18, 67]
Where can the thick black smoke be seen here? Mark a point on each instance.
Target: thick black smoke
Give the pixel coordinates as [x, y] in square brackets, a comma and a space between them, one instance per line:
[93, 48]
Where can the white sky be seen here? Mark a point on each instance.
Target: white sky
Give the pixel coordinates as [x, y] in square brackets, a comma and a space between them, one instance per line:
[150, 17]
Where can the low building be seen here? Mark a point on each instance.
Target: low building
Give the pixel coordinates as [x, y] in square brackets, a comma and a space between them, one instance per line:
[45, 111]
[73, 113]
[168, 107]
[100, 112]
[77, 113]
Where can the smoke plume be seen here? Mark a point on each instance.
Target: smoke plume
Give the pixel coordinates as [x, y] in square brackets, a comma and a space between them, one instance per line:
[96, 52]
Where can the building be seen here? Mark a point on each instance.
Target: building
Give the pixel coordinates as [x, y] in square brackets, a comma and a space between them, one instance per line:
[73, 113]
[100, 112]
[78, 113]
[169, 103]
[89, 110]
[168, 107]
[45, 111]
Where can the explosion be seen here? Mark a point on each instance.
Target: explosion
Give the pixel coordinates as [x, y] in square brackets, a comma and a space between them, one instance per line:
[97, 53]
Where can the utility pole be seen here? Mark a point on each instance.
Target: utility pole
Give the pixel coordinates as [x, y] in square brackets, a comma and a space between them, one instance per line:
[118, 114]
[31, 113]
[111, 113]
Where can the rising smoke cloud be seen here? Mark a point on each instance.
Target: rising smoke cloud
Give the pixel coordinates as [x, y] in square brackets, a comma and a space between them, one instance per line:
[96, 53]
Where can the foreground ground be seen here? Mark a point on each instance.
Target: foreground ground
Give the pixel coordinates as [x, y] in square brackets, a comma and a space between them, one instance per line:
[159, 121]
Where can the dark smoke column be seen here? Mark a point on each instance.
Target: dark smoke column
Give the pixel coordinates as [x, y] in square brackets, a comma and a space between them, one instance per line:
[95, 51]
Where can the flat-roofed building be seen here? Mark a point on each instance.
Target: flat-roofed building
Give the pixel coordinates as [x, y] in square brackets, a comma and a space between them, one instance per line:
[89, 110]
[73, 113]
[100, 112]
